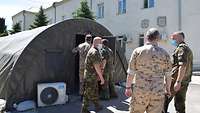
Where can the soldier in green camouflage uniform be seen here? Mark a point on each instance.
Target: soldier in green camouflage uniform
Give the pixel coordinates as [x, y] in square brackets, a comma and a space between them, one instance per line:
[107, 90]
[181, 72]
[92, 74]
[149, 66]
[83, 49]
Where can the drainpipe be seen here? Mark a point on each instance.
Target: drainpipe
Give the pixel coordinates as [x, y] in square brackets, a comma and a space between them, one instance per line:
[91, 4]
[179, 15]
[24, 19]
[54, 6]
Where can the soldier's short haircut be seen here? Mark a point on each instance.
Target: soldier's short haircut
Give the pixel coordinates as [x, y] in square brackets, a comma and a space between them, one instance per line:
[88, 37]
[180, 33]
[152, 34]
[105, 42]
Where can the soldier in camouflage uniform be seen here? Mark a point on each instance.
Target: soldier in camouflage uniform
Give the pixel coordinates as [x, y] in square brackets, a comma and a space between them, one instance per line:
[181, 72]
[82, 48]
[107, 90]
[92, 74]
[149, 66]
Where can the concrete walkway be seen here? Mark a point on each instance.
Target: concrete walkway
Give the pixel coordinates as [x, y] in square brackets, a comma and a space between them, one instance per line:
[121, 104]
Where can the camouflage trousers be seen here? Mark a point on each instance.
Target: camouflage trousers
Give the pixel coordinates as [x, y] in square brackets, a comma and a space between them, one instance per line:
[81, 75]
[104, 92]
[113, 93]
[179, 100]
[107, 90]
[148, 101]
[90, 94]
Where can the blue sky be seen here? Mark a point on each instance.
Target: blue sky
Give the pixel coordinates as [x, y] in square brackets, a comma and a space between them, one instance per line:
[8, 8]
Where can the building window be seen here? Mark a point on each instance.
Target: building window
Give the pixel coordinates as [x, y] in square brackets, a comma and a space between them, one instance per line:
[20, 23]
[149, 3]
[141, 40]
[50, 21]
[100, 10]
[164, 35]
[122, 41]
[121, 6]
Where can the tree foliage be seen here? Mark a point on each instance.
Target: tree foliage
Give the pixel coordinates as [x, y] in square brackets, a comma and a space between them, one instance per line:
[3, 28]
[84, 11]
[40, 20]
[15, 28]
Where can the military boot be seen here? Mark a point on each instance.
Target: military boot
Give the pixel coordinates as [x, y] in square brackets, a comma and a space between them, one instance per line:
[84, 110]
[98, 108]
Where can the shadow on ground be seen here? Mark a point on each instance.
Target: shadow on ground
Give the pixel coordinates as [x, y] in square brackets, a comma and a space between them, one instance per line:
[110, 106]
[120, 105]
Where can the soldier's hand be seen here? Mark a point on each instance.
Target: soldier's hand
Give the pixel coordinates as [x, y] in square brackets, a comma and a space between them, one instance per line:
[177, 86]
[75, 50]
[102, 81]
[128, 92]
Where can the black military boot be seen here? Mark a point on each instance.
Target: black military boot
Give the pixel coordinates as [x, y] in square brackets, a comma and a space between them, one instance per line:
[98, 108]
[83, 110]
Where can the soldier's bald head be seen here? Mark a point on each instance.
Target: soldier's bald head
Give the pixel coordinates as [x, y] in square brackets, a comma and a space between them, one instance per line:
[105, 42]
[88, 38]
[179, 36]
[96, 41]
[178, 33]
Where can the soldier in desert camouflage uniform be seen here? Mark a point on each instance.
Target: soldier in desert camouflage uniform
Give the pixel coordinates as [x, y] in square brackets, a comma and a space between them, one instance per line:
[181, 72]
[149, 65]
[107, 90]
[82, 48]
[92, 74]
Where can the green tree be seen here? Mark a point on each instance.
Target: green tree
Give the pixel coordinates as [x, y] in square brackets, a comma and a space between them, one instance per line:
[40, 20]
[84, 11]
[15, 28]
[3, 28]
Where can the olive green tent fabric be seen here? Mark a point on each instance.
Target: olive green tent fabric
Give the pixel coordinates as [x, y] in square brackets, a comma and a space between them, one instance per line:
[11, 47]
[44, 55]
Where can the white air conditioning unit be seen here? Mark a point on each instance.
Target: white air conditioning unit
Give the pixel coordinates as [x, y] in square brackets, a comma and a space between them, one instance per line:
[51, 94]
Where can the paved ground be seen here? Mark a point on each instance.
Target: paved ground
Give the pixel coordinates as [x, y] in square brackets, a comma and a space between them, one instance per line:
[120, 105]
[193, 97]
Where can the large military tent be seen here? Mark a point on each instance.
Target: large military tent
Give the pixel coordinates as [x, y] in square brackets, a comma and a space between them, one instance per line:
[44, 55]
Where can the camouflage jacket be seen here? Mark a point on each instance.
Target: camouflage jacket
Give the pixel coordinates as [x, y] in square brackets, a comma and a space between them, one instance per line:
[183, 56]
[93, 57]
[149, 64]
[83, 49]
[107, 54]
